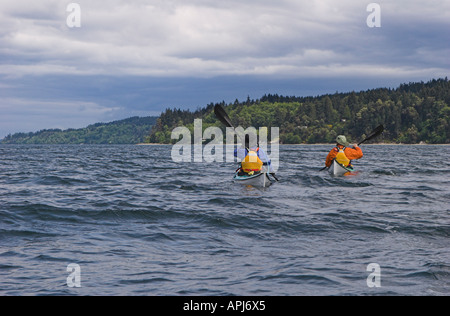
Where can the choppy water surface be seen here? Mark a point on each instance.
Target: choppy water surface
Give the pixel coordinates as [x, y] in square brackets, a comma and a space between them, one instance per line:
[137, 223]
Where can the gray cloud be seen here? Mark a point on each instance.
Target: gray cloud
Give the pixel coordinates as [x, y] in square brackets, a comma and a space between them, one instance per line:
[164, 40]
[203, 38]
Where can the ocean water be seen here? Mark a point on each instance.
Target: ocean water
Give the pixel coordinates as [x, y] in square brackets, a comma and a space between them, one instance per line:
[136, 223]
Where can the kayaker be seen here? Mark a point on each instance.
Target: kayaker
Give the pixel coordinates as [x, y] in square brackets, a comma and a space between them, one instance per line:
[343, 153]
[247, 149]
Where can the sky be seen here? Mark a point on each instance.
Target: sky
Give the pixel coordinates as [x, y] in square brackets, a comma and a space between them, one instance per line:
[137, 58]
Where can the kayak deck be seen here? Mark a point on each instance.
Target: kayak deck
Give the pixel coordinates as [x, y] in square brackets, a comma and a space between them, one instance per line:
[258, 180]
[337, 169]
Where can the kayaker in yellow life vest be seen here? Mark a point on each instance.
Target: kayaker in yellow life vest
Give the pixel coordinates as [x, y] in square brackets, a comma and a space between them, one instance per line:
[252, 158]
[343, 153]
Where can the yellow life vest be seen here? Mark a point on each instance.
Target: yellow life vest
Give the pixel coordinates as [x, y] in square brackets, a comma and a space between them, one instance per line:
[341, 158]
[252, 162]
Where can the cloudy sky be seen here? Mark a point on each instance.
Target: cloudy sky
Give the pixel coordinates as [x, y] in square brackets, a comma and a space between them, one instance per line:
[136, 57]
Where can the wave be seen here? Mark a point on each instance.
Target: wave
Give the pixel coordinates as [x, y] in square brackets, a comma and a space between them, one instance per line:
[53, 180]
[145, 217]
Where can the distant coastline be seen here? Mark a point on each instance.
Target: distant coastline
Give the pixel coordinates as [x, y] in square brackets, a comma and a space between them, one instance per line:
[132, 130]
[414, 113]
[321, 144]
[281, 145]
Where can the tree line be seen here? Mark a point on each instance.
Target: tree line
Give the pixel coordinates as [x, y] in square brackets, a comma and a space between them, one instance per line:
[412, 113]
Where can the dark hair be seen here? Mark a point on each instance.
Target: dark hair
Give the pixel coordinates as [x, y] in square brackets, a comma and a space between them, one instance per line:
[247, 141]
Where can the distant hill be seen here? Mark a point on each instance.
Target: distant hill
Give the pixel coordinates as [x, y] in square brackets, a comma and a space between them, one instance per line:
[133, 130]
[412, 113]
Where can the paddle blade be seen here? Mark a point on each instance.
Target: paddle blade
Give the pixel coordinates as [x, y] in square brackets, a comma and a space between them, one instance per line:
[376, 132]
[222, 115]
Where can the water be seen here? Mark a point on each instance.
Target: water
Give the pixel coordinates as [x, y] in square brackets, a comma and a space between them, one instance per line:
[137, 223]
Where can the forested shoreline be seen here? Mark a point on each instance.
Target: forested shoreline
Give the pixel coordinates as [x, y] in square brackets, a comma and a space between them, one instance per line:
[133, 130]
[412, 113]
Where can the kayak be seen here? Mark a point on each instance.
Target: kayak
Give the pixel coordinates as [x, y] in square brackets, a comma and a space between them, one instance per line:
[260, 180]
[337, 169]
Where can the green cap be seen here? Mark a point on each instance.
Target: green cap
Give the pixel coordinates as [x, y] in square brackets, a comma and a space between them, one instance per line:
[342, 140]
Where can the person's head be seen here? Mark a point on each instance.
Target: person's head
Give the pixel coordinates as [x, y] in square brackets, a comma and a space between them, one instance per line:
[251, 142]
[342, 140]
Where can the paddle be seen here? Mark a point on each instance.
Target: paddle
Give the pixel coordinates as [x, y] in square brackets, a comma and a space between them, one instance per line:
[376, 132]
[223, 117]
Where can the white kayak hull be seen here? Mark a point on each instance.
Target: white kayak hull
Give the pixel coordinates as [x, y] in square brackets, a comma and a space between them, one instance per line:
[260, 180]
[338, 170]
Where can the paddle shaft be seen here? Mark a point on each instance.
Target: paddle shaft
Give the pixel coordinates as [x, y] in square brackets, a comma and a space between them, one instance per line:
[223, 117]
[376, 132]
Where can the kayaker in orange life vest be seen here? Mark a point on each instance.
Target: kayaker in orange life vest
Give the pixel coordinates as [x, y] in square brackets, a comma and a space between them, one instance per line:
[343, 146]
